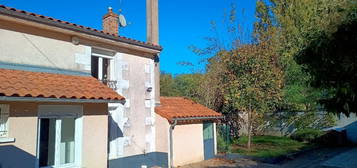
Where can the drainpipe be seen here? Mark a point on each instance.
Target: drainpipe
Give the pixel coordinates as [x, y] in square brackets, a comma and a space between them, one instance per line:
[172, 127]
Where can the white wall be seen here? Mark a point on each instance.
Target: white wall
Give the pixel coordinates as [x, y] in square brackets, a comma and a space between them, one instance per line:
[55, 52]
[188, 144]
[136, 117]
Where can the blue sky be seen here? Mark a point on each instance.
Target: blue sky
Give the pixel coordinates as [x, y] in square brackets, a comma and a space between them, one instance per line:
[182, 22]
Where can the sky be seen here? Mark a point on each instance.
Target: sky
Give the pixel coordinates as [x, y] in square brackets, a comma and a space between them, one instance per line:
[183, 23]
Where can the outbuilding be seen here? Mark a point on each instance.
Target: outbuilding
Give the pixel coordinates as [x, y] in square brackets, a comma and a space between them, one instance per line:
[191, 130]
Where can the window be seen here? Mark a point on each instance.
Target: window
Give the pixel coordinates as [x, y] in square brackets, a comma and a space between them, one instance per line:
[59, 136]
[57, 142]
[4, 117]
[100, 68]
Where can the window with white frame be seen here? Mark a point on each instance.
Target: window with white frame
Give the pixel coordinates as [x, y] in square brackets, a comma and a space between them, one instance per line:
[59, 136]
[4, 118]
[102, 67]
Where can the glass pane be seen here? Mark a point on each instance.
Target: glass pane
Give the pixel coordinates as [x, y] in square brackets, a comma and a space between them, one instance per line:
[207, 131]
[94, 66]
[67, 140]
[47, 142]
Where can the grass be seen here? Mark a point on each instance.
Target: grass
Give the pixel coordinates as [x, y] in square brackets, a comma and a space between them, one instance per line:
[268, 146]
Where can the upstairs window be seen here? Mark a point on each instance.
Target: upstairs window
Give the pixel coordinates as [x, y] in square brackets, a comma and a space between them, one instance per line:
[102, 67]
[4, 117]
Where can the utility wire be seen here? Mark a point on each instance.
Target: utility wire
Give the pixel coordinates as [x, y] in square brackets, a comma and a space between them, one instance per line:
[40, 51]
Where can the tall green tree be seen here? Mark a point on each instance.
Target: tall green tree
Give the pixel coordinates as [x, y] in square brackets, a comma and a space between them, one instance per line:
[301, 25]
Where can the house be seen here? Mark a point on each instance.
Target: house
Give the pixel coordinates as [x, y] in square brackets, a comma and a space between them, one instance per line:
[74, 96]
[190, 129]
[53, 110]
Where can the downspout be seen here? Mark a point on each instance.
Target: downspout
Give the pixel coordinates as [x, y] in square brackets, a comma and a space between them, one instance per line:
[172, 127]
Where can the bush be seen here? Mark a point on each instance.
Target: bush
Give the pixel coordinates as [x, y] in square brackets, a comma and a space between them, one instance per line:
[307, 135]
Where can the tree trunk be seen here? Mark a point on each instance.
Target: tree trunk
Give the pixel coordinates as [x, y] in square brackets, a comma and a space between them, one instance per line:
[249, 129]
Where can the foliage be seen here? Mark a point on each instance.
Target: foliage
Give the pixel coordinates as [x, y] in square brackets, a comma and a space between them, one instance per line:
[188, 85]
[332, 60]
[307, 135]
[268, 146]
[223, 143]
[303, 28]
[167, 85]
[252, 82]
[301, 54]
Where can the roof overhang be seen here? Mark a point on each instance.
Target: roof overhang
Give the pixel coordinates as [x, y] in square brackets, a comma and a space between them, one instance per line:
[38, 99]
[198, 118]
[20, 85]
[194, 119]
[70, 29]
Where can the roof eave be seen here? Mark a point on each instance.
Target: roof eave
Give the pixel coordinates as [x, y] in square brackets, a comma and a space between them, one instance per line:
[59, 100]
[77, 29]
[197, 118]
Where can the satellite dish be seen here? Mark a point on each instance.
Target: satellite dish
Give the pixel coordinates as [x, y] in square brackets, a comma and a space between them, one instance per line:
[122, 21]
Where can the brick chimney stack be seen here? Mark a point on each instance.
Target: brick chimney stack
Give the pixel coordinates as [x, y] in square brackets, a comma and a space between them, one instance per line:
[111, 22]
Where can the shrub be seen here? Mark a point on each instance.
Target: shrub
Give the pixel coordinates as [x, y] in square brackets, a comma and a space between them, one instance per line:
[306, 135]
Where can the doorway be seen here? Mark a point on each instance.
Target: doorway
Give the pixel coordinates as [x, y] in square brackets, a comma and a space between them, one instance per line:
[57, 142]
[208, 140]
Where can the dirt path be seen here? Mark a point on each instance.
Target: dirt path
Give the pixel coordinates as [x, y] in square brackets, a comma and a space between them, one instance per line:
[312, 159]
[223, 163]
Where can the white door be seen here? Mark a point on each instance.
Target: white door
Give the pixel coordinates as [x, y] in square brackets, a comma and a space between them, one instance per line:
[59, 138]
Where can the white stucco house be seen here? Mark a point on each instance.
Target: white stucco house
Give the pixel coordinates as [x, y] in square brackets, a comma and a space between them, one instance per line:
[76, 97]
[95, 83]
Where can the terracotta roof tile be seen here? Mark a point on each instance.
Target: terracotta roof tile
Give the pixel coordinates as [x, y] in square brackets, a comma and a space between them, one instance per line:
[46, 18]
[20, 83]
[179, 107]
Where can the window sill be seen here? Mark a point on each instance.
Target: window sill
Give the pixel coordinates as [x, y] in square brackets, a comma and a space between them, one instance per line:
[7, 140]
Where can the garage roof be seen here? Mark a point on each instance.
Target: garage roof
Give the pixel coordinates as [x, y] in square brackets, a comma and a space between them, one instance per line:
[180, 108]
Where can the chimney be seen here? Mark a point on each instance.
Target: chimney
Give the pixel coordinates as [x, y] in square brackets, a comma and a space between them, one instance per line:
[152, 23]
[152, 35]
[111, 22]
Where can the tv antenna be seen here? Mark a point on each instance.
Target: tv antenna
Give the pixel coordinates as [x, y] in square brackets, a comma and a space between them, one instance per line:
[122, 20]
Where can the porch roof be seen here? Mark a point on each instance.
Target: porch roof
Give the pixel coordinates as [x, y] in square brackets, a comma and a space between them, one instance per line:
[26, 85]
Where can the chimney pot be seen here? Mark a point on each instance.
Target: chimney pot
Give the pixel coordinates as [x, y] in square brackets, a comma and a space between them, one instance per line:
[111, 22]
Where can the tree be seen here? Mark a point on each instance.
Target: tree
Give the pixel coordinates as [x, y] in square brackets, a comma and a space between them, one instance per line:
[252, 82]
[304, 29]
[167, 85]
[332, 61]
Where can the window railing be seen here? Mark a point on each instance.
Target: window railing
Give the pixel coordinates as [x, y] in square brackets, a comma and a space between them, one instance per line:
[110, 83]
